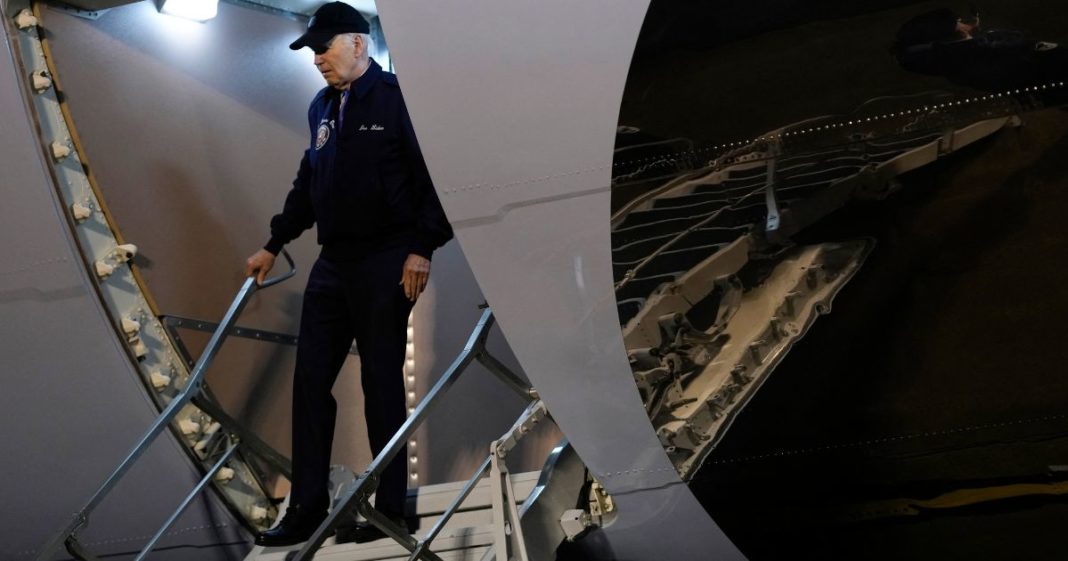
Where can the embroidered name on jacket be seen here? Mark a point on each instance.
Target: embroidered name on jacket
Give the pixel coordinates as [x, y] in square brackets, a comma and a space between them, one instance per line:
[374, 127]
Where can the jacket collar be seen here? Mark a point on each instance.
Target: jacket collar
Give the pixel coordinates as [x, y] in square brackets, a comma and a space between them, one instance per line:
[364, 83]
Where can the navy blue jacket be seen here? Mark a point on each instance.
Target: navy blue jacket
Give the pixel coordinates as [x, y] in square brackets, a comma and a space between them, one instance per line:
[362, 179]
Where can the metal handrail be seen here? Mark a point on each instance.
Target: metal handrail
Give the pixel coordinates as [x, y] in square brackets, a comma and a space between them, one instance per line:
[188, 500]
[357, 496]
[192, 388]
[267, 283]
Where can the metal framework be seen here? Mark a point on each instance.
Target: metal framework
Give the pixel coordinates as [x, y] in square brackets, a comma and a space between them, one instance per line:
[107, 258]
[68, 536]
[205, 400]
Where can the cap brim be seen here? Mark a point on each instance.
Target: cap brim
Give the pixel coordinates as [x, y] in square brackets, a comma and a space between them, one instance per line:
[312, 39]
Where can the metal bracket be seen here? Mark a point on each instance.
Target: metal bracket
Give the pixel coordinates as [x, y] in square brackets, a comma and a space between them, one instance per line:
[78, 12]
[508, 541]
[497, 368]
[394, 531]
[77, 551]
[173, 323]
[772, 223]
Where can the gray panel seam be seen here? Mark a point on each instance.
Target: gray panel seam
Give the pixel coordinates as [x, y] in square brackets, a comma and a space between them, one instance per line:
[610, 475]
[504, 210]
[543, 179]
[34, 265]
[652, 488]
[139, 538]
[38, 295]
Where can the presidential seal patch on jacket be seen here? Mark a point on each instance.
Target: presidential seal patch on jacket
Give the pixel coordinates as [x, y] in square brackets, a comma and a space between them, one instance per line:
[322, 136]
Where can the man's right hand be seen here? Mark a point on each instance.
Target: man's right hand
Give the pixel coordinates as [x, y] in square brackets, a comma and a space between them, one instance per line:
[259, 264]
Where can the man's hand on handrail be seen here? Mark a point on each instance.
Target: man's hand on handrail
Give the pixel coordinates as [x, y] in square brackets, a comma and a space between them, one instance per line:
[259, 264]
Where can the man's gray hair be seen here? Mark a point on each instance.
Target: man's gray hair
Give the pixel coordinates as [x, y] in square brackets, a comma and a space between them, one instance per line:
[367, 41]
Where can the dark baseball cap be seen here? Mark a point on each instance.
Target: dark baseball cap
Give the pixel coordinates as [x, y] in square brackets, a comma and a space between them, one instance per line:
[329, 20]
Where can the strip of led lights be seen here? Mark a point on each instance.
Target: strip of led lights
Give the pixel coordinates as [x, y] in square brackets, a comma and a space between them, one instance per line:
[719, 154]
[411, 399]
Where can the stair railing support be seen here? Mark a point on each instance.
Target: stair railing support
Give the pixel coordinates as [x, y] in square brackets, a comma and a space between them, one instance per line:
[68, 535]
[367, 482]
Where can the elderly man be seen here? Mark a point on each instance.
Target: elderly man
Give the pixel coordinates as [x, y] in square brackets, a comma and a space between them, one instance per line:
[363, 182]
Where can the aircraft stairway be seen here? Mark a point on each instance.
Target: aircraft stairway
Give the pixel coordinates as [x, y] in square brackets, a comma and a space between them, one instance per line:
[492, 511]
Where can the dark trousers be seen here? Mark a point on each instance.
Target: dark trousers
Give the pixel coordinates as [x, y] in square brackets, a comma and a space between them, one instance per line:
[358, 299]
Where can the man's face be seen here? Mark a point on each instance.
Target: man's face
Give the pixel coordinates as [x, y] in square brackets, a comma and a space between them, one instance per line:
[338, 61]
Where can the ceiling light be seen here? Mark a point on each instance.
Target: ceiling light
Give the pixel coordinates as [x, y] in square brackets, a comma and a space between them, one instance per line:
[197, 10]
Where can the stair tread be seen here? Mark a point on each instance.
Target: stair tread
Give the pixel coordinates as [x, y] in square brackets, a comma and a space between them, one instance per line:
[461, 543]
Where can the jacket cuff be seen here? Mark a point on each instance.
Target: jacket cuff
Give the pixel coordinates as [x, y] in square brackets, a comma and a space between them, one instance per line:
[422, 250]
[274, 245]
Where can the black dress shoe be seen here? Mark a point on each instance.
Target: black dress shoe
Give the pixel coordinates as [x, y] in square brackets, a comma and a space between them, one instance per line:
[363, 532]
[296, 527]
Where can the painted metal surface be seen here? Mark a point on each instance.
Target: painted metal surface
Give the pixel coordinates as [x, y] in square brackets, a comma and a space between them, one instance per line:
[119, 284]
[69, 385]
[516, 112]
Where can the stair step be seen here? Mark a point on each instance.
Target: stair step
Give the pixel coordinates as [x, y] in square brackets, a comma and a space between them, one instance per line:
[434, 499]
[459, 544]
[466, 537]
